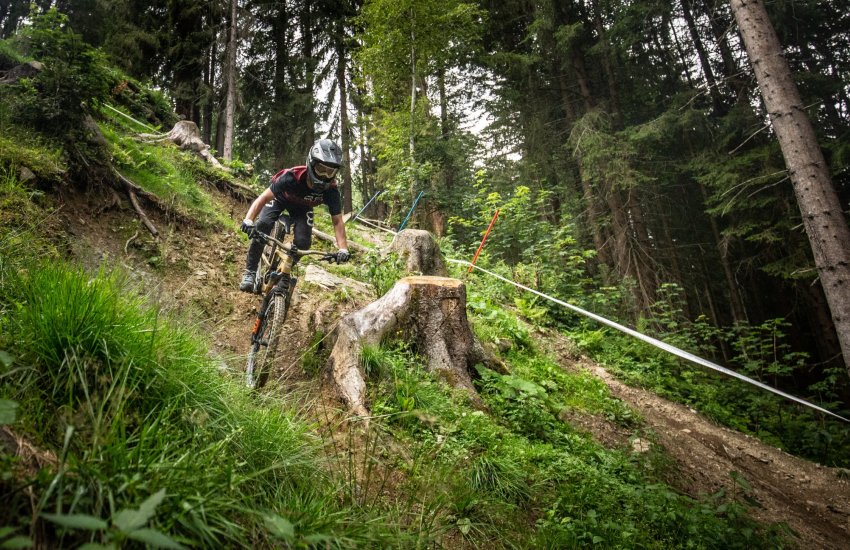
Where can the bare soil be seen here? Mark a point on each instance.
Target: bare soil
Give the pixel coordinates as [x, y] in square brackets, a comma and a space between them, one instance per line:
[196, 272]
[813, 500]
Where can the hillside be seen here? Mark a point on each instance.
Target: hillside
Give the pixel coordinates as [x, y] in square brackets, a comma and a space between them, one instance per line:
[125, 420]
[625, 457]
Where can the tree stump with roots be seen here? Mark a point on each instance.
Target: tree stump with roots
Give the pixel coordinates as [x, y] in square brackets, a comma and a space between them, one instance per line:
[428, 311]
[185, 134]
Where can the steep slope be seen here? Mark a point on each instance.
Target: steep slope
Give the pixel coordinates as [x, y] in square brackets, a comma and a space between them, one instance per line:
[196, 273]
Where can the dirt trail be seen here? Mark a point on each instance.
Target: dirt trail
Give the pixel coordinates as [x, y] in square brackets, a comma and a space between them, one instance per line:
[197, 271]
[812, 499]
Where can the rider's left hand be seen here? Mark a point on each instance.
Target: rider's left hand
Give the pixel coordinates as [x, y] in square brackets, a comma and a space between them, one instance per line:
[342, 256]
[248, 227]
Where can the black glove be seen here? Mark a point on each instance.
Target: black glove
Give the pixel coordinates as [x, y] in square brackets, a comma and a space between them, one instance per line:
[248, 227]
[342, 256]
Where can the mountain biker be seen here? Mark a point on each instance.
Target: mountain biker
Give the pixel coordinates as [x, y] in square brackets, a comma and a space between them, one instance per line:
[297, 190]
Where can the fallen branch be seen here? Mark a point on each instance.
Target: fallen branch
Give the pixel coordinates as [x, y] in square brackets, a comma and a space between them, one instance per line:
[141, 213]
[322, 236]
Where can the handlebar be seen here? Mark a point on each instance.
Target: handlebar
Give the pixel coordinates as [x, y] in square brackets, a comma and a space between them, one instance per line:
[325, 256]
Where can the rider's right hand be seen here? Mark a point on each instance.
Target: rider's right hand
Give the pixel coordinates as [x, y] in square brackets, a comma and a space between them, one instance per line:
[248, 227]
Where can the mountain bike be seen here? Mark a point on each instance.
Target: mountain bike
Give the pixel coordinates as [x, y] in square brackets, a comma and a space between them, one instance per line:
[276, 284]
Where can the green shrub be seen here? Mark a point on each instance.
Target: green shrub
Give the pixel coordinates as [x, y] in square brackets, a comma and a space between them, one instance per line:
[73, 80]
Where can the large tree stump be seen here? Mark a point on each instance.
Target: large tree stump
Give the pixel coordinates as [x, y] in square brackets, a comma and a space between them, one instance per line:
[185, 134]
[420, 251]
[428, 311]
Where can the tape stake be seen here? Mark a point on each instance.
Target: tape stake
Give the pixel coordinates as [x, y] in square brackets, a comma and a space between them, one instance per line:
[658, 343]
[366, 205]
[411, 210]
[480, 246]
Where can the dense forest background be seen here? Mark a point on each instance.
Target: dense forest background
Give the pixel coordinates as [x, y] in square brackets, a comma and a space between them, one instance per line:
[624, 143]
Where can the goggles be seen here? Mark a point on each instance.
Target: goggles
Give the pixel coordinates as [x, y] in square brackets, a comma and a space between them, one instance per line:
[324, 171]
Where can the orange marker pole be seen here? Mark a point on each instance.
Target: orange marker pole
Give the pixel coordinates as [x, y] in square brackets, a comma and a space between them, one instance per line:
[477, 252]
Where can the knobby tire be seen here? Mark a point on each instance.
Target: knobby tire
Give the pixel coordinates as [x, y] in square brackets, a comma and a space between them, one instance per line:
[261, 357]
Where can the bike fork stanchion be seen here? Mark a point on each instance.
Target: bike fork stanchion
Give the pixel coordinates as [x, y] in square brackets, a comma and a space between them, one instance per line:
[411, 210]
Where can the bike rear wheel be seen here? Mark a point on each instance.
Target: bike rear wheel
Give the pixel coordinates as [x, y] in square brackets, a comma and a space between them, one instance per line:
[266, 340]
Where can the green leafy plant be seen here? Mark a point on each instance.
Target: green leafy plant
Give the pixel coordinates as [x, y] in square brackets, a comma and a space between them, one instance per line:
[124, 525]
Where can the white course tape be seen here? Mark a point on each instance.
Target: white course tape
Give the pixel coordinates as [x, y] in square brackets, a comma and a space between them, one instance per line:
[657, 343]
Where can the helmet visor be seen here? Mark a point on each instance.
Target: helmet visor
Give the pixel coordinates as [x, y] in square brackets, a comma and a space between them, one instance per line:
[324, 171]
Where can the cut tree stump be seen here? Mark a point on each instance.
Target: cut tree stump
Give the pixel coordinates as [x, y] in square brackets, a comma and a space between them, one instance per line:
[420, 251]
[430, 312]
[185, 134]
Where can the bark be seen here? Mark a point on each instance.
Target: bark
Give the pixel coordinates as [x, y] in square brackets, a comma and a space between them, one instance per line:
[823, 217]
[739, 313]
[702, 54]
[428, 311]
[311, 62]
[322, 236]
[420, 251]
[581, 79]
[610, 76]
[230, 102]
[209, 82]
[412, 89]
[344, 126]
[186, 135]
[282, 94]
[24, 70]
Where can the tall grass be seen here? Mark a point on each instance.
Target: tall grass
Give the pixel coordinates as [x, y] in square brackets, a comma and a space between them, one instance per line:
[165, 171]
[133, 404]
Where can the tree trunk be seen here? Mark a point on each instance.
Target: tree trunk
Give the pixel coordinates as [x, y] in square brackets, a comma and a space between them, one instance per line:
[702, 54]
[344, 125]
[230, 105]
[412, 89]
[428, 311]
[420, 251]
[739, 313]
[823, 217]
[209, 82]
[186, 135]
[311, 61]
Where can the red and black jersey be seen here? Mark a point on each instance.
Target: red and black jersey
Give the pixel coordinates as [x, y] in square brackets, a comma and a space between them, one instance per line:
[290, 189]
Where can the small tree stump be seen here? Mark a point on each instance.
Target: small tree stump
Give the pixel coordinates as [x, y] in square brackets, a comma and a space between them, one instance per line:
[420, 251]
[428, 311]
[185, 134]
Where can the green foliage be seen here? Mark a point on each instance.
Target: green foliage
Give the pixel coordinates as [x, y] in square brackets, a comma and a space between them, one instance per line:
[74, 78]
[380, 271]
[133, 406]
[21, 148]
[125, 525]
[167, 172]
[522, 461]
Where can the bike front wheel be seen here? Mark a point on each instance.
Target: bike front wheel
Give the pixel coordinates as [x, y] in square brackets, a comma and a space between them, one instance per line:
[266, 340]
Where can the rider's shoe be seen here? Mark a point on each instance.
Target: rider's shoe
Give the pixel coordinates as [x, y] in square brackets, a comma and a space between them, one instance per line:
[247, 284]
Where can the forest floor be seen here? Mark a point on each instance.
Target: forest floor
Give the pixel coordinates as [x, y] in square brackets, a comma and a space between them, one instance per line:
[196, 271]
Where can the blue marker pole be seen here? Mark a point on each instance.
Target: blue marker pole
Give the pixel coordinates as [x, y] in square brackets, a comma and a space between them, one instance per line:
[411, 210]
[366, 205]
